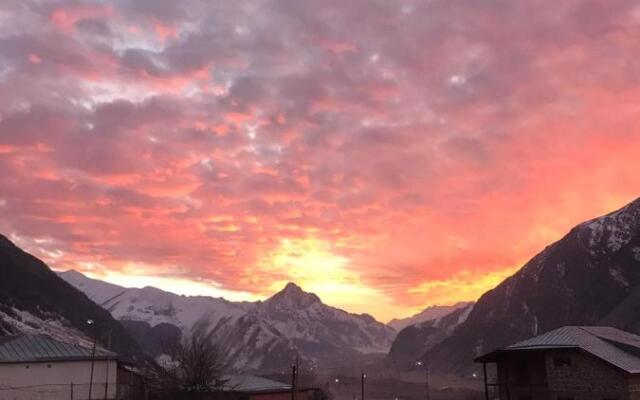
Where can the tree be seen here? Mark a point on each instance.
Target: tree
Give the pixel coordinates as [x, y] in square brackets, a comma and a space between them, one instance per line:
[200, 362]
[194, 365]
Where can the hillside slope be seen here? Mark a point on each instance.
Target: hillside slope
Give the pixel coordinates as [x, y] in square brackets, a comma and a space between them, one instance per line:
[428, 314]
[33, 299]
[589, 277]
[416, 339]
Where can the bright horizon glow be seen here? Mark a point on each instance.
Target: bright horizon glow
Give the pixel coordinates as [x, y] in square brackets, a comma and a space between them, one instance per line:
[358, 299]
[312, 264]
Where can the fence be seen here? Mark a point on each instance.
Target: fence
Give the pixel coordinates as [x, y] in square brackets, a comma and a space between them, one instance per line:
[535, 392]
[99, 391]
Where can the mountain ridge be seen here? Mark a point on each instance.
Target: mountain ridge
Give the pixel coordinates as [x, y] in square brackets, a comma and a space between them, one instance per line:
[430, 313]
[35, 300]
[263, 335]
[591, 276]
[420, 337]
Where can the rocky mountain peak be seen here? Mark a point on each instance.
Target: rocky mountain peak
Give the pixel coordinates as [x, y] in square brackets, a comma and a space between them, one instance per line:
[71, 273]
[292, 297]
[292, 287]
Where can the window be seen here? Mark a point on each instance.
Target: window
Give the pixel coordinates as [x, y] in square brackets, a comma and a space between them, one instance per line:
[561, 362]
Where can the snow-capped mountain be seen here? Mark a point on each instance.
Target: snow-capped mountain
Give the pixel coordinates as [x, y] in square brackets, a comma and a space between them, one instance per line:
[428, 314]
[589, 277]
[34, 300]
[100, 291]
[262, 335]
[416, 339]
[317, 322]
[294, 323]
[155, 306]
[156, 318]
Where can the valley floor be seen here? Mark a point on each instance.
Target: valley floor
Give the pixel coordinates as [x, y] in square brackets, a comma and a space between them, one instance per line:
[392, 385]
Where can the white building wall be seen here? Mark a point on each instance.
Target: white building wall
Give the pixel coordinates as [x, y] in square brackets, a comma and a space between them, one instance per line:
[68, 380]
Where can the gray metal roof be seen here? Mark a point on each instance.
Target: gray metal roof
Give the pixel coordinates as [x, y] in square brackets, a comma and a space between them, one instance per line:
[36, 348]
[612, 345]
[251, 383]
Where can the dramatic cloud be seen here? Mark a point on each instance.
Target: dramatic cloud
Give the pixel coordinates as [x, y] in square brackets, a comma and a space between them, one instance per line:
[387, 153]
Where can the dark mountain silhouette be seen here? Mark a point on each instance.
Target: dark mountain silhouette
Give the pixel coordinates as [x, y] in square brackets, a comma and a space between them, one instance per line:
[428, 314]
[589, 277]
[416, 339]
[35, 299]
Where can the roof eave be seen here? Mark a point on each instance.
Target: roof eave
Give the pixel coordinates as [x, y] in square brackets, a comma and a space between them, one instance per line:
[494, 355]
[50, 360]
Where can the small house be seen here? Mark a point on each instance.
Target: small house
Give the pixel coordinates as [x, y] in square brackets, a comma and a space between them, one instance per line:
[250, 387]
[38, 367]
[569, 363]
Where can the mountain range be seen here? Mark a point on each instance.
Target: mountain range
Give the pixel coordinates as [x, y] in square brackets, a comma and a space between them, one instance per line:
[264, 336]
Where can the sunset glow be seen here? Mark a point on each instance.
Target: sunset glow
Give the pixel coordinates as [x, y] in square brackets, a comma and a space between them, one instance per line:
[385, 155]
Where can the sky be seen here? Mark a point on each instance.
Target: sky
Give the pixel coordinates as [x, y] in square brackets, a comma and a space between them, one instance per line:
[386, 155]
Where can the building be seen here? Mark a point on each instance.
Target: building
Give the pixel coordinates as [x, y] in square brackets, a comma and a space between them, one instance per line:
[38, 367]
[250, 387]
[569, 363]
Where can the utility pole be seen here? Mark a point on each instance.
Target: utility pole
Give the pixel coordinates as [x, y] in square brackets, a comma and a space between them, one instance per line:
[93, 356]
[298, 370]
[362, 385]
[106, 381]
[294, 381]
[428, 386]
[486, 383]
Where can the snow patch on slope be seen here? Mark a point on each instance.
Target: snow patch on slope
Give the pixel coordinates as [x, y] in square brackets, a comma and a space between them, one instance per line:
[53, 326]
[618, 275]
[612, 231]
[100, 291]
[428, 314]
[155, 306]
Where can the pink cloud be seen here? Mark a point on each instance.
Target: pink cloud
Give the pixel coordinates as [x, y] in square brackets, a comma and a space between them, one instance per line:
[66, 18]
